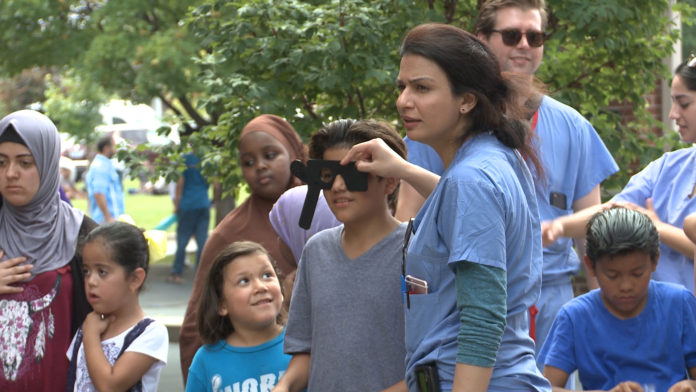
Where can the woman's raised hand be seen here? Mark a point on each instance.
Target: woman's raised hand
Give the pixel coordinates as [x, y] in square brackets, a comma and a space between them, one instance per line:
[11, 272]
[376, 157]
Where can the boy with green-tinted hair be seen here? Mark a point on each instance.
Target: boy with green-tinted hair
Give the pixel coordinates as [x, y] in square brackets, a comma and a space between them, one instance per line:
[632, 332]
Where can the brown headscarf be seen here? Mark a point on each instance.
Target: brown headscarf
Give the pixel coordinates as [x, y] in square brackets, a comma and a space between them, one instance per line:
[281, 130]
[249, 221]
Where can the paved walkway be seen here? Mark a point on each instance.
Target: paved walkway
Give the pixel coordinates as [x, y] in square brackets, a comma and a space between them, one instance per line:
[167, 302]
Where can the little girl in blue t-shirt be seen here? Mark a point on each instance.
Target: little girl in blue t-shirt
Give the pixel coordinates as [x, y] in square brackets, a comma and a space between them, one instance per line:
[239, 320]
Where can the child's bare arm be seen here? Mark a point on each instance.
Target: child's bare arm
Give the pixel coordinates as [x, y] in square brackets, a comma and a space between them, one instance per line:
[672, 236]
[296, 377]
[573, 225]
[690, 227]
[127, 370]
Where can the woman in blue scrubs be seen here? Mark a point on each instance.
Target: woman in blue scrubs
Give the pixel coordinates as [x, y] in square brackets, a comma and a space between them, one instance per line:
[476, 242]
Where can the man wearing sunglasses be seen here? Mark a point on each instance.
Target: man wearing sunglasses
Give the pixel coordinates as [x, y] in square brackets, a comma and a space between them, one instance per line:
[574, 157]
[514, 31]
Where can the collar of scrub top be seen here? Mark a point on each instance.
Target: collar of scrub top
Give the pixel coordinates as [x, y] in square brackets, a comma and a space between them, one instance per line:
[320, 174]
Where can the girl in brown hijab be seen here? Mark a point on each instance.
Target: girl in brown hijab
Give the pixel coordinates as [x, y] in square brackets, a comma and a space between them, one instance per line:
[267, 145]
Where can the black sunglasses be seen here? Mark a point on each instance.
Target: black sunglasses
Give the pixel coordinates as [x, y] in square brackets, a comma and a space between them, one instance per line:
[512, 37]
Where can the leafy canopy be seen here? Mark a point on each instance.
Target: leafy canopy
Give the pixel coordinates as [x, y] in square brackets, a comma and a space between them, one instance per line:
[219, 63]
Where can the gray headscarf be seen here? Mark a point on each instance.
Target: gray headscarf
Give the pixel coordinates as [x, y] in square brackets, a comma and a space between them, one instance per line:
[45, 230]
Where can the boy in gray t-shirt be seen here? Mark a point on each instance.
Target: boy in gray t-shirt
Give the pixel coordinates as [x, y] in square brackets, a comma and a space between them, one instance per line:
[346, 321]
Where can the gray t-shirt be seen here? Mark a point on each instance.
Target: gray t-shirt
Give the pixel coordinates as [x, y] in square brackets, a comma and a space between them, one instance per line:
[349, 314]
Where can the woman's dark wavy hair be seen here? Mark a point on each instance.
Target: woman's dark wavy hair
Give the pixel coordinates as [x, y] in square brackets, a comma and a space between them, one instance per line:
[125, 244]
[687, 73]
[213, 327]
[472, 68]
[348, 132]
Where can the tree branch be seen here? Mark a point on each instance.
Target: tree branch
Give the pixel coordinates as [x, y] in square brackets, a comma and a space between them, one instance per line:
[308, 107]
[169, 104]
[450, 8]
[191, 111]
[361, 102]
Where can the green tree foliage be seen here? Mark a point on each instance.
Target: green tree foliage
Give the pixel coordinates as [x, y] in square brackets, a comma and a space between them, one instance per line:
[140, 50]
[73, 105]
[219, 63]
[307, 62]
[609, 52]
[22, 90]
[131, 49]
[316, 61]
[688, 32]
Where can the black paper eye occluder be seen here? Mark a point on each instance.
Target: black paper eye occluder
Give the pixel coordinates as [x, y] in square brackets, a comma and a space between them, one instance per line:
[320, 174]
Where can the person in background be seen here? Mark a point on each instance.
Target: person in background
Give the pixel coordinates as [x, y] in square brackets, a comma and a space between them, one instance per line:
[41, 285]
[192, 208]
[574, 158]
[285, 217]
[104, 188]
[240, 323]
[67, 183]
[664, 190]
[633, 333]
[267, 145]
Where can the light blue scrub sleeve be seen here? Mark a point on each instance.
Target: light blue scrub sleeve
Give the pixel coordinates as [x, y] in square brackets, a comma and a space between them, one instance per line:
[482, 305]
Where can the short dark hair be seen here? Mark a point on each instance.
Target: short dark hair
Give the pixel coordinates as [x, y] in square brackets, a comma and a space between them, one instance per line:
[485, 23]
[213, 327]
[125, 244]
[104, 142]
[349, 132]
[618, 231]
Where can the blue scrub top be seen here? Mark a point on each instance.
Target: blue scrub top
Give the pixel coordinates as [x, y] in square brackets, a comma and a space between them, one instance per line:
[669, 181]
[575, 161]
[483, 210]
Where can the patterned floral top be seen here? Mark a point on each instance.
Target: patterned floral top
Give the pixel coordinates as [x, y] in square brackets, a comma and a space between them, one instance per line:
[34, 333]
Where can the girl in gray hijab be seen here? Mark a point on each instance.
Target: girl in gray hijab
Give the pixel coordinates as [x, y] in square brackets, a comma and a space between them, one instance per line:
[42, 298]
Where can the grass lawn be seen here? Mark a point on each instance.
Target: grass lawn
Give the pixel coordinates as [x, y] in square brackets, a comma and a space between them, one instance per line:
[147, 210]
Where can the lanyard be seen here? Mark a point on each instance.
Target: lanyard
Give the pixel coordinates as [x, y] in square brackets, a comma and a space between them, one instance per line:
[535, 119]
